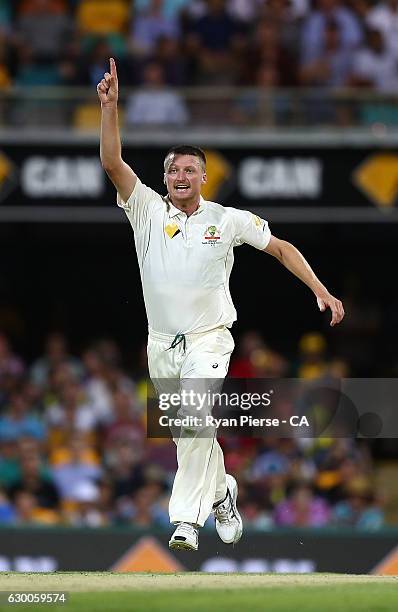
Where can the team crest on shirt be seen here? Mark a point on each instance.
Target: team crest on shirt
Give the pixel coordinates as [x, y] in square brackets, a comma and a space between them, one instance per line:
[211, 236]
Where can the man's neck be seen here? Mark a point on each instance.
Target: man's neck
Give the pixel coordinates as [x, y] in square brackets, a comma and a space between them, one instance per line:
[188, 207]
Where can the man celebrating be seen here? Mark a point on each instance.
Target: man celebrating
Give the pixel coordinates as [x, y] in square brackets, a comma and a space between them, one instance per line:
[185, 252]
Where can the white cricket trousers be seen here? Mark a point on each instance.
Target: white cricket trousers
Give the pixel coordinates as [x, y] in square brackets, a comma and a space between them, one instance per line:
[200, 478]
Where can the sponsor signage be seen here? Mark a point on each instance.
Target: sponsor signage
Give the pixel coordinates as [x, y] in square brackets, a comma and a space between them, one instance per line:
[128, 550]
[62, 177]
[281, 178]
[71, 175]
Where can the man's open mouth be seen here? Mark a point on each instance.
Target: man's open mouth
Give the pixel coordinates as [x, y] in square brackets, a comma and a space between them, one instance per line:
[181, 187]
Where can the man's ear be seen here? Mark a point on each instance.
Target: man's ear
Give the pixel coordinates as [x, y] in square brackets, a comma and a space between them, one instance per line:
[204, 178]
[164, 178]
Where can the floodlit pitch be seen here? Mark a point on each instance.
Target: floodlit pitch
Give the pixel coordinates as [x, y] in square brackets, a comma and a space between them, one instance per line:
[199, 592]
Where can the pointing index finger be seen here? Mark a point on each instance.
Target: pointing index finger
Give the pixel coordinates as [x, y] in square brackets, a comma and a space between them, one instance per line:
[112, 64]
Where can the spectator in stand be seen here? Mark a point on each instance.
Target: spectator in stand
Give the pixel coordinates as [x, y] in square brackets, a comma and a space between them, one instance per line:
[9, 461]
[102, 17]
[73, 464]
[45, 26]
[302, 509]
[7, 512]
[161, 451]
[149, 25]
[19, 421]
[56, 354]
[361, 8]
[242, 364]
[93, 62]
[270, 472]
[259, 107]
[28, 446]
[29, 512]
[271, 461]
[146, 507]
[110, 352]
[268, 363]
[35, 478]
[384, 17]
[71, 59]
[360, 508]
[332, 66]
[312, 356]
[58, 377]
[31, 73]
[124, 425]
[11, 368]
[168, 54]
[143, 501]
[5, 16]
[30, 7]
[255, 359]
[84, 511]
[374, 65]
[96, 386]
[266, 51]
[106, 496]
[255, 516]
[155, 104]
[170, 8]
[288, 18]
[5, 72]
[216, 40]
[125, 465]
[71, 413]
[117, 379]
[244, 10]
[338, 464]
[33, 396]
[119, 476]
[313, 31]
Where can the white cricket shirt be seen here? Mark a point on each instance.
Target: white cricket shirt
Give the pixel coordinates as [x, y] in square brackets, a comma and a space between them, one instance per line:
[185, 262]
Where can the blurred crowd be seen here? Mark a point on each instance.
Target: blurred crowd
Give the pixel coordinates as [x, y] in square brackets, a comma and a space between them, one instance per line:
[74, 450]
[161, 45]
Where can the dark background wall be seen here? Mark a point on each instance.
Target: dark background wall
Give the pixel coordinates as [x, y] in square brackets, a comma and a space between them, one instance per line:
[84, 279]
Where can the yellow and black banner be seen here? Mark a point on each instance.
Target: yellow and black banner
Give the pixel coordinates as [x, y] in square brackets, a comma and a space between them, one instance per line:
[247, 177]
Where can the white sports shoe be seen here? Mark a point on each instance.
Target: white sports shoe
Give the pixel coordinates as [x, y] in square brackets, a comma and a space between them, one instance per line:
[228, 521]
[185, 537]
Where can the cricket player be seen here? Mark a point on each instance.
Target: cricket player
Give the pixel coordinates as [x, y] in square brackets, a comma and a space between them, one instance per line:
[185, 247]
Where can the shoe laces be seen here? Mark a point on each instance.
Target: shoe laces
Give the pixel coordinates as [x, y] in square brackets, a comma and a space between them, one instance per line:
[186, 528]
[224, 512]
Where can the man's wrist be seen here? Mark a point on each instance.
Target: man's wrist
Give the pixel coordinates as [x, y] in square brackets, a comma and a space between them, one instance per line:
[320, 290]
[109, 105]
[321, 293]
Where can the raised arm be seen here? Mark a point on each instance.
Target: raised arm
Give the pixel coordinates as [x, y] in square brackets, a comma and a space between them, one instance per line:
[120, 173]
[294, 261]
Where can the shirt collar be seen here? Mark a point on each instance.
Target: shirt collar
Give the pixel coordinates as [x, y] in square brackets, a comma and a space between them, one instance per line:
[173, 211]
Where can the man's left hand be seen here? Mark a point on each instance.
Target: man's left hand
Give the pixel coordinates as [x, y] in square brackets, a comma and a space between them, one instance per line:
[329, 301]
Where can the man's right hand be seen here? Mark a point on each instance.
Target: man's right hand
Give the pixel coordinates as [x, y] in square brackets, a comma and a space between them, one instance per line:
[120, 173]
[108, 88]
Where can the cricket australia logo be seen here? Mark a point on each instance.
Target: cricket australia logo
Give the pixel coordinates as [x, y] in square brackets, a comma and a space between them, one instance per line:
[211, 236]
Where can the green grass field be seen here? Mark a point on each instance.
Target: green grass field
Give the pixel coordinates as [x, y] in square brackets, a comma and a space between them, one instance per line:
[198, 592]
